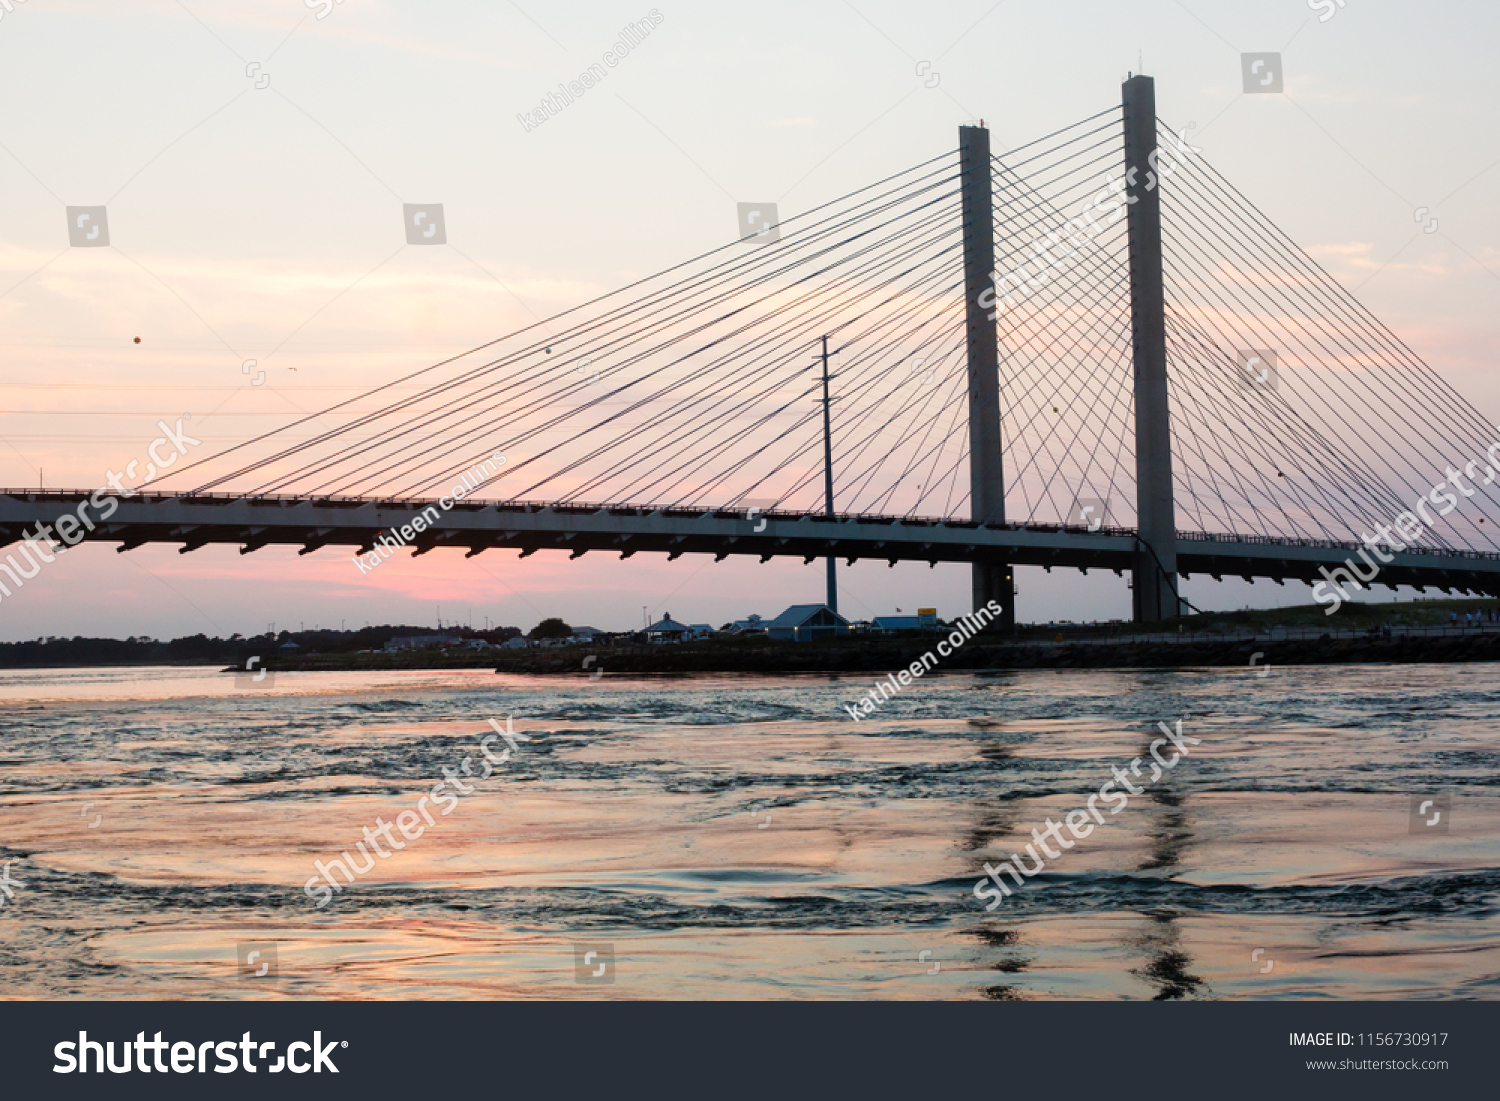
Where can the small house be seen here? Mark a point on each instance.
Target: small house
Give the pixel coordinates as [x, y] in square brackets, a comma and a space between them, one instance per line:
[802, 622]
[667, 629]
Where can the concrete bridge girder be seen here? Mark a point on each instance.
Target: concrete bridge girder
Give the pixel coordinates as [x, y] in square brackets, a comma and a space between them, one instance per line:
[317, 524]
[469, 525]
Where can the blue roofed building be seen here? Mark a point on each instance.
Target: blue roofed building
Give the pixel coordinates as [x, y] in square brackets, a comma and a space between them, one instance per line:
[802, 622]
[667, 629]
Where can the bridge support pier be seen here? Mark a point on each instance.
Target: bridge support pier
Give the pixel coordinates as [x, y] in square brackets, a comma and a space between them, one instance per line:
[1155, 571]
[996, 582]
[991, 580]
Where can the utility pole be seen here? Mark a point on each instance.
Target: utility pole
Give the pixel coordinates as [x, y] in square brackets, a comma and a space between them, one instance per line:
[833, 584]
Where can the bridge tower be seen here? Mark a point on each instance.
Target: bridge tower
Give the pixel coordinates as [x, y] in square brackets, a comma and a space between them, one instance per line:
[992, 580]
[1155, 569]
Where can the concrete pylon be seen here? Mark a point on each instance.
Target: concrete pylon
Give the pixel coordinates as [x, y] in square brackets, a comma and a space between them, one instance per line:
[1155, 568]
[992, 580]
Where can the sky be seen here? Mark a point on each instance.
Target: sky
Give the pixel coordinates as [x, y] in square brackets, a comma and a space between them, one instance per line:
[253, 158]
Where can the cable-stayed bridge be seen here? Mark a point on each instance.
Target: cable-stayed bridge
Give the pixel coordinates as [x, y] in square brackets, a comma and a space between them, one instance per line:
[1091, 351]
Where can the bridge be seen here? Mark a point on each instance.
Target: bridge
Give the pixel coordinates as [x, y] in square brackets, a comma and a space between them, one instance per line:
[1088, 352]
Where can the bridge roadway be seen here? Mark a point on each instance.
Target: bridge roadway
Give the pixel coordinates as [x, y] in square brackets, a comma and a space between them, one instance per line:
[355, 522]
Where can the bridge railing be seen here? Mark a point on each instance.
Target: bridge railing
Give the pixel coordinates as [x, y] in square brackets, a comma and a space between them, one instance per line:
[586, 507]
[1328, 544]
[1075, 635]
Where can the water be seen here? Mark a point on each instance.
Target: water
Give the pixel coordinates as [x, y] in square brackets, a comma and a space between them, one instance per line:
[733, 837]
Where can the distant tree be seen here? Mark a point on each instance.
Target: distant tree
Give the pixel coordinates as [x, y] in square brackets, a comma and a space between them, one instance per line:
[551, 628]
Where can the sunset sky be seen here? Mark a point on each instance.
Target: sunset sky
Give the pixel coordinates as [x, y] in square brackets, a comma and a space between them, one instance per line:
[255, 219]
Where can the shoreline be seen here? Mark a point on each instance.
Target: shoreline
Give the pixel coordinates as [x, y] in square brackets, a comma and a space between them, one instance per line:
[893, 655]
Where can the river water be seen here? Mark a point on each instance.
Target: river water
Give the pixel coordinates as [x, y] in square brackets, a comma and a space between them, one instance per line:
[735, 837]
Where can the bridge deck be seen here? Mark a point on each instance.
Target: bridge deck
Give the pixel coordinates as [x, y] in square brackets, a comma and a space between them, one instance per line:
[356, 523]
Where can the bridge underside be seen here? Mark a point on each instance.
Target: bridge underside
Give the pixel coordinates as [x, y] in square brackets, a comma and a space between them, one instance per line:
[356, 524]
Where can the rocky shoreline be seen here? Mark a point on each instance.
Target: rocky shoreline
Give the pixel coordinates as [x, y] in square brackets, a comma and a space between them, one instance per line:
[893, 654]
[1042, 655]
